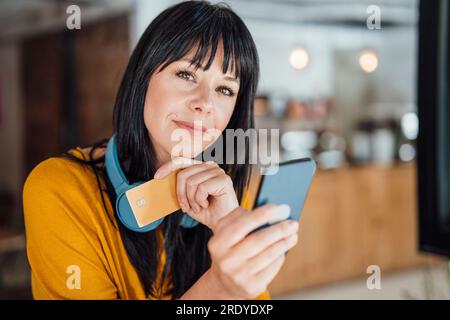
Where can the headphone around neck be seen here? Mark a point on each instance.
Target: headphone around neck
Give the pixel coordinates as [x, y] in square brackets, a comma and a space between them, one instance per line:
[121, 185]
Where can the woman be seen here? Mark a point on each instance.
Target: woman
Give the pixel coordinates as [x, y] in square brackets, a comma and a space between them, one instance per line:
[194, 62]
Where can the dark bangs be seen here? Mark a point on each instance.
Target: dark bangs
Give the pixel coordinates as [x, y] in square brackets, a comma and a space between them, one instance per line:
[205, 32]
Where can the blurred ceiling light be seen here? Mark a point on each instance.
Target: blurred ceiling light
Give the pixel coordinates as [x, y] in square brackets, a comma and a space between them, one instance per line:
[299, 58]
[368, 60]
[410, 125]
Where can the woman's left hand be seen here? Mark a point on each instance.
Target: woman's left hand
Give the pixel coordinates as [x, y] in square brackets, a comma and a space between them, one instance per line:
[204, 190]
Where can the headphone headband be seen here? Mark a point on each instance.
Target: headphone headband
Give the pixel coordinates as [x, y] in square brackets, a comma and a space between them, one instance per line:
[115, 173]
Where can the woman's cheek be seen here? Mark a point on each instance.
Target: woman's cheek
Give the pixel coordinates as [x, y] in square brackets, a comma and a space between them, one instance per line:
[155, 127]
[225, 116]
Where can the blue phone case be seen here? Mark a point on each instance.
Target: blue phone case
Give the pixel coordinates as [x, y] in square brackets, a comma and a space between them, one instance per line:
[289, 186]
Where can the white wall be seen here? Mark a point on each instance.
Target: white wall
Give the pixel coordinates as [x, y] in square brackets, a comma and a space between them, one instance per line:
[145, 12]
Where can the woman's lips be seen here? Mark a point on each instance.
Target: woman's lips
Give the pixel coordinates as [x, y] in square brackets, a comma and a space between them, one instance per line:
[190, 126]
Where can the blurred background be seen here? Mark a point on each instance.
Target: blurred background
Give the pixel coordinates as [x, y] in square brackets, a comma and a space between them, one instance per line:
[339, 78]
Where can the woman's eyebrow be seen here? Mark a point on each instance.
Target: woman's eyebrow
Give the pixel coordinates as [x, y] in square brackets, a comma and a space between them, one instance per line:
[203, 68]
[231, 79]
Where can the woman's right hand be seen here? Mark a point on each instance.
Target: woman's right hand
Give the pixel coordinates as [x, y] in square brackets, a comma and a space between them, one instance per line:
[243, 265]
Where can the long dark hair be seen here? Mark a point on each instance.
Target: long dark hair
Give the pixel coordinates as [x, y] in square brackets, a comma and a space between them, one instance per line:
[169, 37]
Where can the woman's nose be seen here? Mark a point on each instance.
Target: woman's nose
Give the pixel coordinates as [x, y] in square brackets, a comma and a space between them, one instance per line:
[203, 103]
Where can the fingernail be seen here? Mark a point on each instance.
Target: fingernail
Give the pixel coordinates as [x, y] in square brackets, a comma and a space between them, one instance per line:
[157, 175]
[282, 213]
[293, 224]
[284, 210]
[292, 239]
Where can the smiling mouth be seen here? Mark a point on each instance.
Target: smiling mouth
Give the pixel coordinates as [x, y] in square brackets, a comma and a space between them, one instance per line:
[190, 126]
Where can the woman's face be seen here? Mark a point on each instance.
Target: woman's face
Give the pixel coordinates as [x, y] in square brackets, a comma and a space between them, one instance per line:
[180, 95]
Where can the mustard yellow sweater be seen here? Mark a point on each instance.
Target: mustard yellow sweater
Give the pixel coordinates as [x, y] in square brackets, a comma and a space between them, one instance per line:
[74, 246]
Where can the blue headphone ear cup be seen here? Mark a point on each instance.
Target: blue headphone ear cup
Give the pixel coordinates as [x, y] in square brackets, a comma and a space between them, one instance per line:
[121, 185]
[126, 216]
[188, 222]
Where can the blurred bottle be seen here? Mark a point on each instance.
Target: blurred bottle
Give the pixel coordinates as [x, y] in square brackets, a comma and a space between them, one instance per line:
[361, 152]
[384, 142]
[331, 149]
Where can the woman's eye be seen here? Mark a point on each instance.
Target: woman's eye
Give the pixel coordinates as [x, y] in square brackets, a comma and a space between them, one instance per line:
[185, 75]
[226, 91]
[189, 76]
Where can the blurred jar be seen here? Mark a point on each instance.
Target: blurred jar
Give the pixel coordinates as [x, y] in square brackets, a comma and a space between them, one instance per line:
[261, 106]
[361, 142]
[384, 142]
[298, 144]
[331, 151]
[296, 109]
[320, 108]
[264, 119]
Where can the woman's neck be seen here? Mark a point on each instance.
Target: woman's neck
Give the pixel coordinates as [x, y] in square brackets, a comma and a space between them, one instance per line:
[161, 156]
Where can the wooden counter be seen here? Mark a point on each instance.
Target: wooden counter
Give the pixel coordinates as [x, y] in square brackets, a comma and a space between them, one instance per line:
[353, 217]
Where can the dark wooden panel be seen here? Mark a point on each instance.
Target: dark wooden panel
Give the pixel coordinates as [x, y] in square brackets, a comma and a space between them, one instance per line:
[70, 81]
[42, 77]
[102, 52]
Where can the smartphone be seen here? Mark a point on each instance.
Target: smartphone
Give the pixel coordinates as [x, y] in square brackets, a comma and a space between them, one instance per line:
[286, 184]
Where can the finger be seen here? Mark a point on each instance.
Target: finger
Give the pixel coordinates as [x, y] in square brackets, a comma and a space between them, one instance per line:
[182, 177]
[233, 215]
[268, 273]
[195, 180]
[261, 240]
[218, 181]
[270, 254]
[173, 165]
[216, 186]
[238, 229]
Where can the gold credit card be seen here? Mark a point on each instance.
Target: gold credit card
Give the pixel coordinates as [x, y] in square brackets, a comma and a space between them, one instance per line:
[154, 199]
